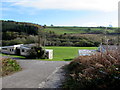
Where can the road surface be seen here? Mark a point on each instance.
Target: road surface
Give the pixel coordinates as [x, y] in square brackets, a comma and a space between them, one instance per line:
[34, 74]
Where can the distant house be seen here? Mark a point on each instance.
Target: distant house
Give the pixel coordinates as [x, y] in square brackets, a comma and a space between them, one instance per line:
[104, 48]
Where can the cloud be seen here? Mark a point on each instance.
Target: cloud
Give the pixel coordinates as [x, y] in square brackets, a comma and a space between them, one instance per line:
[100, 5]
[12, 0]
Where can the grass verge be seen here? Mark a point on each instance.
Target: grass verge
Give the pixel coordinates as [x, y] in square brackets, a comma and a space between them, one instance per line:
[14, 56]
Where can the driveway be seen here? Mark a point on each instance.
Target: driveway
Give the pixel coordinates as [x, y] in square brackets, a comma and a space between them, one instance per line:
[35, 74]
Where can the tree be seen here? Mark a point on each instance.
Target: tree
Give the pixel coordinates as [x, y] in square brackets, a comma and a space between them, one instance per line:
[51, 25]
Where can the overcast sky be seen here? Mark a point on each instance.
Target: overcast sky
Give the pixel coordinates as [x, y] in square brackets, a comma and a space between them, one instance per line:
[62, 12]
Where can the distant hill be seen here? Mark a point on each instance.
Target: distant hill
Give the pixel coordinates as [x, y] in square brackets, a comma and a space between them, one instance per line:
[24, 27]
[32, 29]
[25, 33]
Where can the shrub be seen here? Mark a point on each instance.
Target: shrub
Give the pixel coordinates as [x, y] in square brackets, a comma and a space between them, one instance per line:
[9, 66]
[36, 52]
[101, 70]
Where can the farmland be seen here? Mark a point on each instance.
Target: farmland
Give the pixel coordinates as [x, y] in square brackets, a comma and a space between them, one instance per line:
[73, 30]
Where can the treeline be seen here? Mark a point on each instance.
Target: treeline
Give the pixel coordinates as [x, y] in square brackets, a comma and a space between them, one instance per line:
[20, 27]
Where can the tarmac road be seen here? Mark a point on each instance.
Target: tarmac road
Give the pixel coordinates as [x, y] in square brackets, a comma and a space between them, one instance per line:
[34, 73]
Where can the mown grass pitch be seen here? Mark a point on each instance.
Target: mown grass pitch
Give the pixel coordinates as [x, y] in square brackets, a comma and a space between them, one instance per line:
[66, 53]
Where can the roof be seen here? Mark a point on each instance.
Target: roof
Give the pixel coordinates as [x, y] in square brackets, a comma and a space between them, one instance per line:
[28, 45]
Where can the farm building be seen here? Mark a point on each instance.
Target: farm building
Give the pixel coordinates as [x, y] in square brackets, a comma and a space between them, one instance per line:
[104, 48]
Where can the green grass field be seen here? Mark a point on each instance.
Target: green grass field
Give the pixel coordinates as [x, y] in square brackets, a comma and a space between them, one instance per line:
[15, 56]
[60, 53]
[73, 30]
[63, 30]
[66, 53]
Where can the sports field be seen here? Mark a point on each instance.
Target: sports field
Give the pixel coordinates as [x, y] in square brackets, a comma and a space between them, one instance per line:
[67, 53]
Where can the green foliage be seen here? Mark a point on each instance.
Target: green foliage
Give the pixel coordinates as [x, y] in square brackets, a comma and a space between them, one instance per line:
[9, 35]
[67, 40]
[36, 52]
[9, 66]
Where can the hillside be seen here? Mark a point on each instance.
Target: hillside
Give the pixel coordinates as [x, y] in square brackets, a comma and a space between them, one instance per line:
[25, 33]
[20, 27]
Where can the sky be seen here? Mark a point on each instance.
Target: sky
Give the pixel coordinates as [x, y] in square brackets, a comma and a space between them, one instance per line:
[62, 12]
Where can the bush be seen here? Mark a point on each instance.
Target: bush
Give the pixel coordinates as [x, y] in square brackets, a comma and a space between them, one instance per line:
[36, 52]
[9, 66]
[101, 70]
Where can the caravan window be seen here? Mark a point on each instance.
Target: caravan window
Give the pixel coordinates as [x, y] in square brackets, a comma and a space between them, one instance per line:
[4, 48]
[11, 50]
[23, 50]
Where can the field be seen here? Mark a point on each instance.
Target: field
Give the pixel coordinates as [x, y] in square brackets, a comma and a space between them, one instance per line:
[66, 53]
[73, 30]
[61, 53]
